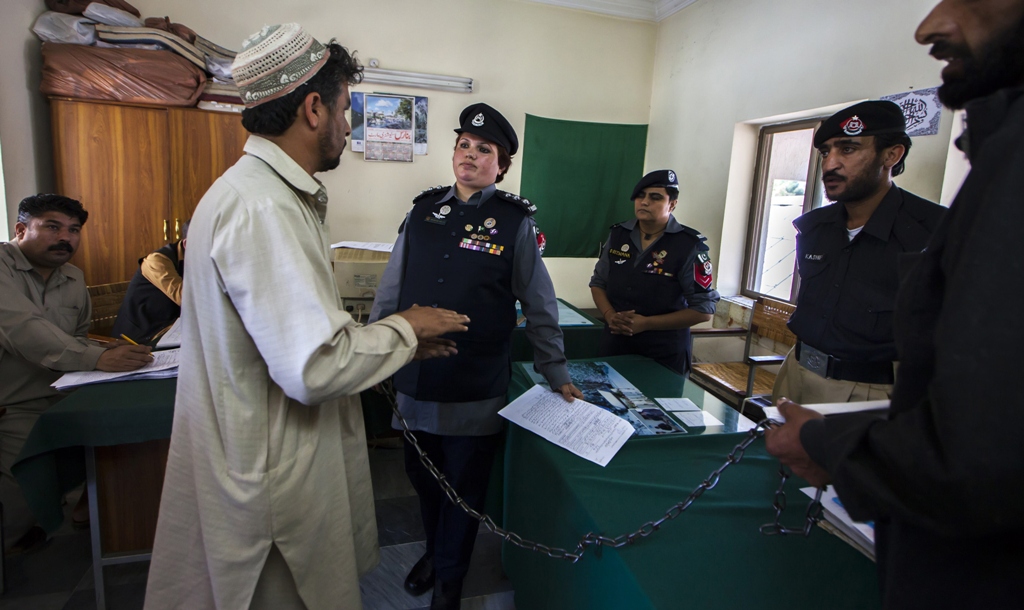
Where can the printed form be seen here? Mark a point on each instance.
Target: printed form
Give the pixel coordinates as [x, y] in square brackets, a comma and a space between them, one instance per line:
[165, 364]
[579, 426]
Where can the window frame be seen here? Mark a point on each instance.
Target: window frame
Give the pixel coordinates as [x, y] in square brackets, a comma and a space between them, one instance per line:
[757, 228]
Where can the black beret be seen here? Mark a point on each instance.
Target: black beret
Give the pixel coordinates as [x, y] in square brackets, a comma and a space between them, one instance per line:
[664, 178]
[486, 122]
[871, 118]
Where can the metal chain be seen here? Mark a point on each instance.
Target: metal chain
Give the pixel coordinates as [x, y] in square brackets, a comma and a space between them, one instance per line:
[596, 540]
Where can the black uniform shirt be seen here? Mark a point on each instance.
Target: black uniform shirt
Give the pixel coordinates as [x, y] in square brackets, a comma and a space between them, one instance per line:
[848, 288]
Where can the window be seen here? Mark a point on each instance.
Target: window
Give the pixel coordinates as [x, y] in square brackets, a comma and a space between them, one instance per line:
[787, 183]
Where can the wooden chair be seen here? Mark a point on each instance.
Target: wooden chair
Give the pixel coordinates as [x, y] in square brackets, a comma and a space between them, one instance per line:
[106, 302]
[736, 381]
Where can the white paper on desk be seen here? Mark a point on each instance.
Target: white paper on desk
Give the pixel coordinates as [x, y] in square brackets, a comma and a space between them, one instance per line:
[166, 360]
[171, 338]
[580, 427]
[677, 404]
[376, 246]
[833, 408]
[696, 419]
[567, 316]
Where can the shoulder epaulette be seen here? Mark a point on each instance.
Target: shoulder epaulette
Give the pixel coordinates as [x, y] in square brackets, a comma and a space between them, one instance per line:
[522, 202]
[702, 245]
[431, 191]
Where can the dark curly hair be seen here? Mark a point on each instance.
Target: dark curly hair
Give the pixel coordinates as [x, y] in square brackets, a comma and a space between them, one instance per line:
[275, 117]
[37, 205]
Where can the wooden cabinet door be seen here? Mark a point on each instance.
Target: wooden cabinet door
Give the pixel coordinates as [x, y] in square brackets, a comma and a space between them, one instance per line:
[203, 145]
[113, 159]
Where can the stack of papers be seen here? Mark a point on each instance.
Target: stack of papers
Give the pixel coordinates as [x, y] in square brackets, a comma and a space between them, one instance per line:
[172, 337]
[860, 536]
[375, 246]
[164, 365]
[833, 408]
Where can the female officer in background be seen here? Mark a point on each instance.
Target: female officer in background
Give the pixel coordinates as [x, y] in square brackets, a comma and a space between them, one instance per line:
[473, 245]
[653, 280]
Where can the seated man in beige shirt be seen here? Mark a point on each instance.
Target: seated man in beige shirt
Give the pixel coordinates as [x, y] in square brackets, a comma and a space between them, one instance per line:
[153, 301]
[45, 314]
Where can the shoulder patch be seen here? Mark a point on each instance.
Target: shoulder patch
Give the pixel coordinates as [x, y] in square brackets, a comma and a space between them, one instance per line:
[523, 203]
[430, 192]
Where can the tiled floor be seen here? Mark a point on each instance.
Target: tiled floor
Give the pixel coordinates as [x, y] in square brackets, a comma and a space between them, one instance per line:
[59, 575]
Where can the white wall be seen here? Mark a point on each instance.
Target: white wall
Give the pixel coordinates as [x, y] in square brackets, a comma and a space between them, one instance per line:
[24, 117]
[724, 62]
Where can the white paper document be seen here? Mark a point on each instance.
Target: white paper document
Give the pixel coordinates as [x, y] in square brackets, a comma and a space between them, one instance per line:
[171, 338]
[165, 364]
[580, 427]
[696, 419]
[376, 246]
[677, 404]
[567, 316]
[833, 408]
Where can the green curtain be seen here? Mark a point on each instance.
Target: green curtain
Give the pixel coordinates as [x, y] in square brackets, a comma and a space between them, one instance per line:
[580, 176]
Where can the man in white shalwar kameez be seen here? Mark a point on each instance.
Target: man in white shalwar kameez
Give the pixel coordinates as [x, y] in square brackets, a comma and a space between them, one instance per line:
[267, 500]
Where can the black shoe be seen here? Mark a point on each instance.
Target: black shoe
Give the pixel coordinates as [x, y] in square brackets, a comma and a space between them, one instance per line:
[421, 576]
[35, 538]
[447, 595]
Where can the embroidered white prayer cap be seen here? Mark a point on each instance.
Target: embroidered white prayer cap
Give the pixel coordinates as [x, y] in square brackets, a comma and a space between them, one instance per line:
[275, 61]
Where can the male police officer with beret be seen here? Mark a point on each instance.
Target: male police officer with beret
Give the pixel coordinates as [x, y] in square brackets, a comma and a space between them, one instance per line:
[847, 258]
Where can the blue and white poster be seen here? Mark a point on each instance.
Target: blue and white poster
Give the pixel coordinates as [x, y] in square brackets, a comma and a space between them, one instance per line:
[921, 109]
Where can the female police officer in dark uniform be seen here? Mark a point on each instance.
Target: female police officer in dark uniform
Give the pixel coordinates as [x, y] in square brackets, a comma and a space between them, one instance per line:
[653, 280]
[472, 247]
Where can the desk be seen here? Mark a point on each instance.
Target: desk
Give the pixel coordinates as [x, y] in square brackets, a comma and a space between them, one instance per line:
[124, 429]
[712, 556]
[580, 341]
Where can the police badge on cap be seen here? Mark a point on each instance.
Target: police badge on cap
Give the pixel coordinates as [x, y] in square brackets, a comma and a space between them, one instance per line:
[869, 118]
[486, 122]
[663, 178]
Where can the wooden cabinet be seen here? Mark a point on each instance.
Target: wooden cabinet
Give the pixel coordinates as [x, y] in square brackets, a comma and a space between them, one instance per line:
[139, 171]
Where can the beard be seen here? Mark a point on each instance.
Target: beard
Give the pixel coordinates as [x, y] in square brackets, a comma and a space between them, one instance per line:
[861, 186]
[326, 147]
[999, 65]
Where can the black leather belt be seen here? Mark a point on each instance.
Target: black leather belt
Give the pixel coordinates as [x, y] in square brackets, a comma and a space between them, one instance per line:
[830, 367]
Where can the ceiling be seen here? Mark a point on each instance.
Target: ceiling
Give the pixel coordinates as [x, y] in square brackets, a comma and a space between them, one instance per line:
[645, 10]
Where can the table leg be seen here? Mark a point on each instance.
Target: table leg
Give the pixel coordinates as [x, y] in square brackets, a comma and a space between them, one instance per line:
[94, 527]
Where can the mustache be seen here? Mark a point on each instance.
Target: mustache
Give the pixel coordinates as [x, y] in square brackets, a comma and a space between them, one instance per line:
[944, 49]
[61, 246]
[832, 174]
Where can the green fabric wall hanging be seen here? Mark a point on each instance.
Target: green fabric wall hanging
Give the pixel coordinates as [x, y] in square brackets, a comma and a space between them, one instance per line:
[580, 176]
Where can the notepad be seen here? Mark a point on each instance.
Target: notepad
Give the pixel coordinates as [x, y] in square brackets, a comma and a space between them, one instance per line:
[165, 364]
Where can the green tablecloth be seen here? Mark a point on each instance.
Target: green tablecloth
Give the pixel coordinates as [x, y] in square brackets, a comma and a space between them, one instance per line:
[712, 556]
[51, 463]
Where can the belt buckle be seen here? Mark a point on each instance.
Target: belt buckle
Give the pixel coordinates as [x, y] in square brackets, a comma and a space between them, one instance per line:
[814, 360]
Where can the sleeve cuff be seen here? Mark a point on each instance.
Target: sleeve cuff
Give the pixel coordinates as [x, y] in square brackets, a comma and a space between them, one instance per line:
[557, 375]
[91, 356]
